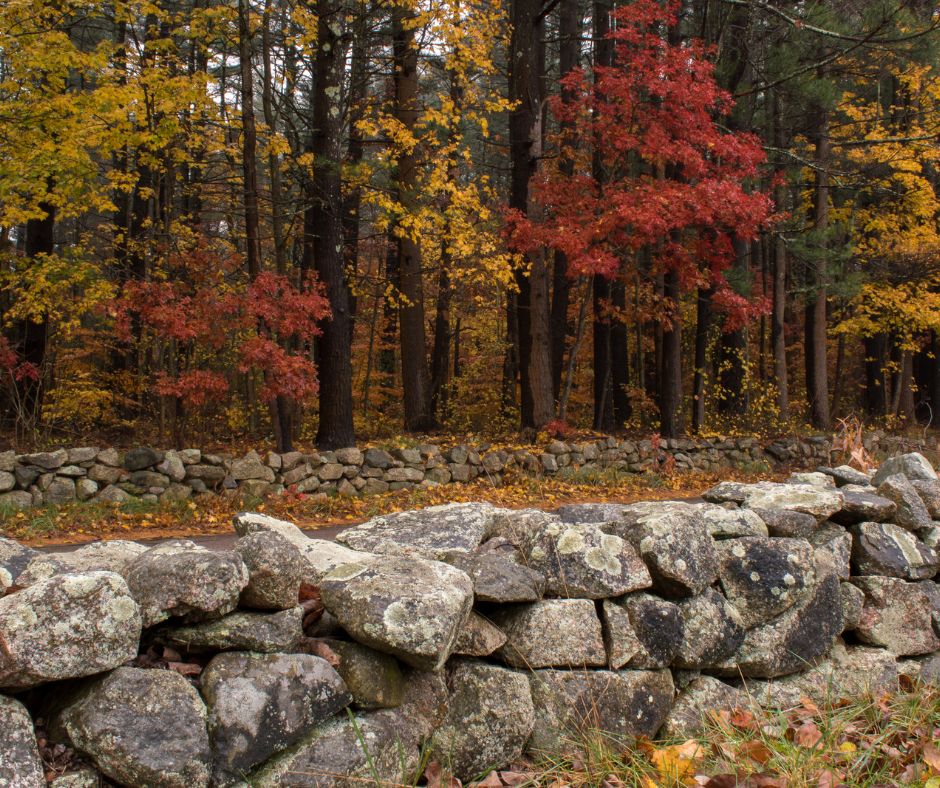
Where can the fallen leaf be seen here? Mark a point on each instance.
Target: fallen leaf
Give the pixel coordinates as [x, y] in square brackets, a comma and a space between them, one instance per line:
[437, 777]
[807, 735]
[932, 757]
[827, 778]
[757, 751]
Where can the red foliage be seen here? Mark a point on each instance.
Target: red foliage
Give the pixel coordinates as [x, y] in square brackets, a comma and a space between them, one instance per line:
[675, 182]
[12, 363]
[223, 322]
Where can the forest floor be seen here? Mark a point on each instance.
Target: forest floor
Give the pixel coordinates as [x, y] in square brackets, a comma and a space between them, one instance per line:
[82, 522]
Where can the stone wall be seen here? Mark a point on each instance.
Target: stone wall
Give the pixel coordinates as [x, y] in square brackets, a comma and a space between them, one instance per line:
[88, 473]
[482, 634]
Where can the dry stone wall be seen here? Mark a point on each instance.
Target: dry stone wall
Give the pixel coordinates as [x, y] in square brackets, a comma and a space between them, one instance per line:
[478, 633]
[89, 473]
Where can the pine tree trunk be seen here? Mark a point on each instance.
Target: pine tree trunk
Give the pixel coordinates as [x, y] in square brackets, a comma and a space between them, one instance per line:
[702, 327]
[671, 419]
[816, 335]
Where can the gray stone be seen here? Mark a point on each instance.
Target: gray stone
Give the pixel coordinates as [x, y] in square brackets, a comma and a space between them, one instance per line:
[434, 532]
[109, 457]
[787, 523]
[7, 481]
[106, 474]
[171, 580]
[242, 630]
[813, 479]
[112, 494]
[207, 473]
[330, 471]
[592, 512]
[712, 631]
[820, 503]
[21, 566]
[641, 631]
[479, 637]
[858, 507]
[725, 523]
[172, 466]
[853, 601]
[846, 474]
[498, 579]
[142, 728]
[8, 461]
[374, 679]
[834, 543]
[71, 471]
[68, 626]
[262, 704]
[88, 777]
[85, 489]
[297, 474]
[177, 492]
[149, 479]
[17, 499]
[693, 712]
[929, 492]
[619, 704]
[48, 460]
[25, 475]
[275, 570]
[886, 549]
[799, 637]
[142, 457]
[675, 543]
[489, 719]
[581, 560]
[726, 492]
[897, 616]
[551, 633]
[928, 670]
[251, 468]
[377, 458]
[60, 490]
[409, 607]
[106, 556]
[912, 466]
[911, 513]
[349, 456]
[762, 577]
[20, 764]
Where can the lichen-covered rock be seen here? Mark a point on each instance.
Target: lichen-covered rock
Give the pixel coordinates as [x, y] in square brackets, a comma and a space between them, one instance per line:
[911, 466]
[86, 777]
[20, 765]
[699, 700]
[726, 492]
[834, 544]
[433, 533]
[69, 626]
[551, 633]
[47, 460]
[858, 507]
[886, 549]
[262, 704]
[21, 566]
[911, 513]
[797, 638]
[724, 523]
[762, 577]
[242, 630]
[813, 478]
[141, 728]
[929, 492]
[479, 637]
[172, 579]
[846, 474]
[712, 631]
[853, 600]
[641, 631]
[897, 615]
[787, 523]
[584, 562]
[374, 679]
[410, 607]
[275, 571]
[820, 503]
[489, 719]
[499, 579]
[106, 556]
[674, 542]
[620, 704]
[591, 512]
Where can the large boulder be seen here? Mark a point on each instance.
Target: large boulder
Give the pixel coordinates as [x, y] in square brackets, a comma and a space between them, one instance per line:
[242, 630]
[410, 607]
[911, 513]
[374, 679]
[584, 562]
[275, 570]
[886, 549]
[641, 631]
[551, 633]
[497, 578]
[712, 631]
[726, 523]
[787, 523]
[21, 566]
[105, 556]
[489, 719]
[260, 704]
[695, 708]
[858, 507]
[929, 492]
[834, 544]
[434, 532]
[20, 765]
[173, 579]
[846, 474]
[141, 728]
[762, 577]
[821, 503]
[66, 627]
[479, 637]
[897, 616]
[619, 704]
[675, 543]
[911, 466]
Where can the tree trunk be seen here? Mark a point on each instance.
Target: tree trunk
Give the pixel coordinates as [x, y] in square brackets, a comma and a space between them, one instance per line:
[875, 396]
[671, 420]
[778, 316]
[335, 429]
[702, 327]
[603, 372]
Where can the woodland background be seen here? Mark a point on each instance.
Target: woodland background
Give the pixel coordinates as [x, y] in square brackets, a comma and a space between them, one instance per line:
[345, 219]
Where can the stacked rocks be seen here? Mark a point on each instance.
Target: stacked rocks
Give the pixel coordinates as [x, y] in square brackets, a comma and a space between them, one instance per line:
[478, 633]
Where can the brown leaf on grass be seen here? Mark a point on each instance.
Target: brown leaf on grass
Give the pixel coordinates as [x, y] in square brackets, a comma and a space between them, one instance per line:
[490, 781]
[931, 756]
[807, 735]
[827, 778]
[437, 777]
[516, 778]
[723, 781]
[757, 751]
[677, 763]
[742, 718]
[613, 781]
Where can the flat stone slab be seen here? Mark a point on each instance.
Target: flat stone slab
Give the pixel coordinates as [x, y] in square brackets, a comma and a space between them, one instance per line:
[243, 630]
[551, 633]
[897, 615]
[890, 551]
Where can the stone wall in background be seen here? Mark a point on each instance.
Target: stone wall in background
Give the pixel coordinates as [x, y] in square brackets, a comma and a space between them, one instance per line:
[467, 634]
[87, 473]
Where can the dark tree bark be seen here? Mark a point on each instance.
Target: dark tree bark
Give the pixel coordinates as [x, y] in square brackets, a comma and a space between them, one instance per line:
[703, 321]
[325, 208]
[671, 419]
[619, 358]
[779, 253]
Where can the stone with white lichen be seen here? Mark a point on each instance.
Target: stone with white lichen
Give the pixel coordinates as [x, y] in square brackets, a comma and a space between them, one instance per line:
[551, 633]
